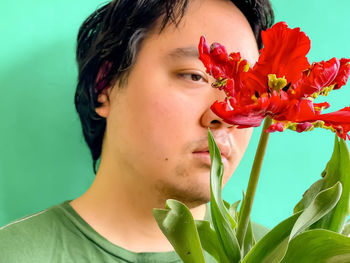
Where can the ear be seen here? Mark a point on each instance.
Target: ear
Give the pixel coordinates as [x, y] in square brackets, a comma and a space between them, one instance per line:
[103, 98]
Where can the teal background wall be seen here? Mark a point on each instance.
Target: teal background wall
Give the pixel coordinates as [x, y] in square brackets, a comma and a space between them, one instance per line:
[43, 157]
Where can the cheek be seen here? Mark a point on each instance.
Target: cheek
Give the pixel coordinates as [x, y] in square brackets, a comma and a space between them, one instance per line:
[242, 137]
[159, 117]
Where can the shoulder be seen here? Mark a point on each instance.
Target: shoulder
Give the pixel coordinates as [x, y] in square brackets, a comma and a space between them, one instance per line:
[30, 224]
[28, 237]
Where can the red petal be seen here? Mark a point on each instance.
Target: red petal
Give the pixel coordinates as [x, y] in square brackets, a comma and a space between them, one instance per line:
[324, 105]
[318, 107]
[284, 54]
[275, 127]
[343, 73]
[216, 59]
[303, 126]
[204, 54]
[241, 118]
[339, 120]
[318, 76]
[299, 112]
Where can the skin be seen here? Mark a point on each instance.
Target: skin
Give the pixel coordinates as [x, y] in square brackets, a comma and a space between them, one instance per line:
[156, 123]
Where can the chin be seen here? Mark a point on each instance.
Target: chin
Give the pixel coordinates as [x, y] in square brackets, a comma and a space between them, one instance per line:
[194, 201]
[194, 194]
[191, 193]
[187, 184]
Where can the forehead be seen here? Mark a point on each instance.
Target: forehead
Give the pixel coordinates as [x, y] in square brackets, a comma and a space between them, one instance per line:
[218, 20]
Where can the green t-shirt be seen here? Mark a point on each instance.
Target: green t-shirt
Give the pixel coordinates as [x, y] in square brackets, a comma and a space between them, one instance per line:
[59, 235]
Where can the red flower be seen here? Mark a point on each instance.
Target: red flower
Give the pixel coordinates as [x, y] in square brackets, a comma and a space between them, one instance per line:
[282, 84]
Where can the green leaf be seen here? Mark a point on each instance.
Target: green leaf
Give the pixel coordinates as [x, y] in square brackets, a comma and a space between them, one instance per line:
[338, 169]
[249, 239]
[272, 247]
[321, 246]
[222, 221]
[232, 219]
[177, 224]
[259, 231]
[321, 205]
[210, 241]
[346, 229]
[233, 210]
[309, 195]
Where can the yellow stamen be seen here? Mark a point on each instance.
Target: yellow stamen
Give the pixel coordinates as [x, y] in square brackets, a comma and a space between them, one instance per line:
[254, 98]
[323, 92]
[219, 82]
[246, 68]
[276, 83]
[308, 72]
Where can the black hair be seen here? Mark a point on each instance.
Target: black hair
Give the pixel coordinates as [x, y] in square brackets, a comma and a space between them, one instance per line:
[107, 46]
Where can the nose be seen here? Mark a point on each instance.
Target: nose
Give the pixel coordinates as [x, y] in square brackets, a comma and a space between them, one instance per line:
[209, 118]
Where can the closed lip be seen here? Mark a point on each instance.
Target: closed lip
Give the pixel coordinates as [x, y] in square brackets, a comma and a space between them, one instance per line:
[225, 150]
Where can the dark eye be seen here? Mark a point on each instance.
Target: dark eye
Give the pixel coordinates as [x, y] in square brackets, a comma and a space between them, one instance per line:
[192, 76]
[196, 77]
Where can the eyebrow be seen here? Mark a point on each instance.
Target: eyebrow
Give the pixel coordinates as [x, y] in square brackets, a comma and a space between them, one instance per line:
[184, 52]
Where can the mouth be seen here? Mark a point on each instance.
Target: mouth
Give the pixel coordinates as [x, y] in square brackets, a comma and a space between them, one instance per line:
[204, 156]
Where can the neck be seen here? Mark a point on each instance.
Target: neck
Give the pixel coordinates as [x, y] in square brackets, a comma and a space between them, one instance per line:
[122, 211]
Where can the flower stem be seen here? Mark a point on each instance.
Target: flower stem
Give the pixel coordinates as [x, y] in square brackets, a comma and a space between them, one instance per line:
[247, 203]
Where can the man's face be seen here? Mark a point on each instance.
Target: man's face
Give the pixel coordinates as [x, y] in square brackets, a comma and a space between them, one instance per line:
[157, 124]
